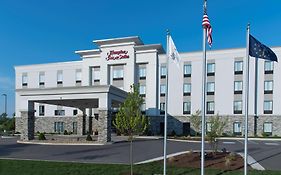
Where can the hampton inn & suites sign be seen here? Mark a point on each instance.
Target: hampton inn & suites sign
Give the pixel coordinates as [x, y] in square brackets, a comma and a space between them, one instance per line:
[117, 55]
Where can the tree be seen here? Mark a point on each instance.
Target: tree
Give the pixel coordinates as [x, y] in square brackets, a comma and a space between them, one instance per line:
[195, 120]
[218, 124]
[129, 120]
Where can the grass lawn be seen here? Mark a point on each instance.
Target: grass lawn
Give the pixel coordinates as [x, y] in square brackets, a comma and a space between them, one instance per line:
[23, 167]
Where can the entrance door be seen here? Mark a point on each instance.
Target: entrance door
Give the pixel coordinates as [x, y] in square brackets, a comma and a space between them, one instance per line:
[162, 128]
[186, 129]
[74, 127]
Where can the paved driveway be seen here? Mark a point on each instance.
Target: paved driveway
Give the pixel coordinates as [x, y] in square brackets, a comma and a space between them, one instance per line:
[267, 153]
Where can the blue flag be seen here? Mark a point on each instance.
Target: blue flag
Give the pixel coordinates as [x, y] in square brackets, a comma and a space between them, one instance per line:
[259, 50]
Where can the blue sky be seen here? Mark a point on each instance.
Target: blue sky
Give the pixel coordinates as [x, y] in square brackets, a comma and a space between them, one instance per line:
[33, 31]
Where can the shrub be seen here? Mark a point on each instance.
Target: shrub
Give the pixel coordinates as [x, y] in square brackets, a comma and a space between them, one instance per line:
[41, 136]
[173, 133]
[264, 134]
[89, 138]
[65, 132]
[229, 159]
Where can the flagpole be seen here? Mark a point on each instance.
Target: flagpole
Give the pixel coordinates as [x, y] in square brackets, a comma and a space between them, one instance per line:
[256, 95]
[203, 102]
[246, 103]
[166, 104]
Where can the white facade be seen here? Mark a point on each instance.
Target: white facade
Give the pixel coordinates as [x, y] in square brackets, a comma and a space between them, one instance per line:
[121, 61]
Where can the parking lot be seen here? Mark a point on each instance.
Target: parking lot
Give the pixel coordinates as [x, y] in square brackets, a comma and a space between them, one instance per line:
[267, 153]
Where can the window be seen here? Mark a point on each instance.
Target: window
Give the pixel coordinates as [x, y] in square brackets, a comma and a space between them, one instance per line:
[75, 112]
[237, 107]
[142, 73]
[118, 74]
[58, 127]
[237, 129]
[143, 108]
[208, 127]
[210, 69]
[74, 127]
[162, 90]
[186, 107]
[59, 112]
[268, 87]
[78, 76]
[163, 71]
[187, 70]
[142, 90]
[162, 108]
[210, 107]
[238, 67]
[210, 88]
[268, 67]
[24, 80]
[41, 110]
[41, 79]
[238, 86]
[59, 77]
[95, 75]
[267, 107]
[187, 89]
[267, 128]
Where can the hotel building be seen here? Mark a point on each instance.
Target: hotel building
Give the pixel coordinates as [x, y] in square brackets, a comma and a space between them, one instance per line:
[83, 96]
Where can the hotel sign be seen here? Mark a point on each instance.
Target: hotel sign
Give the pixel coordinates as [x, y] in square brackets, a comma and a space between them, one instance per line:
[117, 55]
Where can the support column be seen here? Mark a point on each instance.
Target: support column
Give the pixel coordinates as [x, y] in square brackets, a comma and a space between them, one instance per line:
[27, 125]
[104, 126]
[81, 122]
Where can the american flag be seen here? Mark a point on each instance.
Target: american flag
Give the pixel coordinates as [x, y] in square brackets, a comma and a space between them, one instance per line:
[206, 24]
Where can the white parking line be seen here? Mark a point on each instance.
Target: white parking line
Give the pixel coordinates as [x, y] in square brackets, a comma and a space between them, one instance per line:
[252, 162]
[252, 142]
[273, 144]
[230, 143]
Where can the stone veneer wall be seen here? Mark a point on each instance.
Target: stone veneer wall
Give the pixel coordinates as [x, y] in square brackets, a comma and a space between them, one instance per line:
[175, 123]
[46, 124]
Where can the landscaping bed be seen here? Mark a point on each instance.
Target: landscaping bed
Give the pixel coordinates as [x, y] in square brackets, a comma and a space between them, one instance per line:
[219, 160]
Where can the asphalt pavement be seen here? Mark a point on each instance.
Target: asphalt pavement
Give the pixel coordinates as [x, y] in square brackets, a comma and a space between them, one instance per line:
[267, 153]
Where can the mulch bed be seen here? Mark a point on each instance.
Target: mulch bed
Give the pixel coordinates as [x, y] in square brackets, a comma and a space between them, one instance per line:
[214, 161]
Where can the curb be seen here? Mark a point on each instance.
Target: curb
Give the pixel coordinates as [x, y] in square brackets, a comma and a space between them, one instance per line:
[252, 162]
[65, 144]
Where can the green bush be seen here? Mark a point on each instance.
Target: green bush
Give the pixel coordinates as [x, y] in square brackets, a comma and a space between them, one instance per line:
[65, 132]
[41, 136]
[264, 134]
[89, 138]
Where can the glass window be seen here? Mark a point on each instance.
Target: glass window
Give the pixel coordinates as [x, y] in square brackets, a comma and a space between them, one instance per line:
[118, 74]
[268, 85]
[238, 66]
[59, 76]
[238, 85]
[96, 75]
[162, 107]
[143, 107]
[208, 126]
[187, 69]
[268, 66]
[267, 106]
[210, 87]
[24, 79]
[162, 89]
[41, 110]
[142, 72]
[59, 127]
[211, 68]
[78, 75]
[187, 88]
[237, 105]
[186, 107]
[163, 71]
[75, 112]
[267, 127]
[237, 129]
[41, 78]
[210, 107]
[142, 89]
[59, 112]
